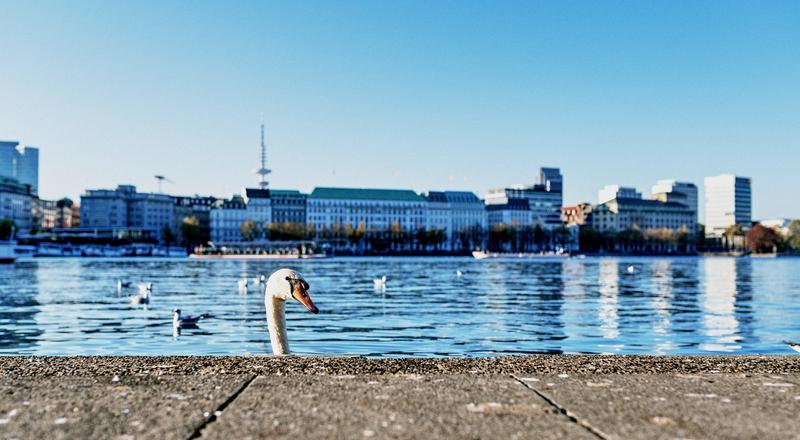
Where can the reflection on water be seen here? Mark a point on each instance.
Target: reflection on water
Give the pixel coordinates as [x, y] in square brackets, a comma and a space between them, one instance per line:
[592, 305]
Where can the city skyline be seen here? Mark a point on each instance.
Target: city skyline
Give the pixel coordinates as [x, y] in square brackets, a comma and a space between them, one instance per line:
[429, 104]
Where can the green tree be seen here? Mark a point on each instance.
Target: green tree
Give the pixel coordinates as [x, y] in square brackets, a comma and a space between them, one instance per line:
[167, 235]
[6, 226]
[793, 237]
[249, 230]
[190, 231]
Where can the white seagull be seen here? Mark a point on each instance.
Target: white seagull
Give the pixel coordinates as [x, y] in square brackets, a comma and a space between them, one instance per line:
[284, 284]
[458, 273]
[122, 285]
[795, 346]
[243, 285]
[185, 321]
[631, 269]
[145, 289]
[379, 283]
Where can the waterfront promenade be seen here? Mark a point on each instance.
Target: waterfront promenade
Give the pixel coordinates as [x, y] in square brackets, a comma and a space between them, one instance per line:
[352, 397]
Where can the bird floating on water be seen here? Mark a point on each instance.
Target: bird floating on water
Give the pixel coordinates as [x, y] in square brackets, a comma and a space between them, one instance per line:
[284, 284]
[795, 346]
[142, 298]
[260, 280]
[122, 285]
[379, 283]
[458, 273]
[243, 285]
[631, 269]
[186, 321]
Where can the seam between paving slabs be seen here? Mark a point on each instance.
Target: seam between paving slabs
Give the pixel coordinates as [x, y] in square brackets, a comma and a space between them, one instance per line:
[563, 410]
[212, 417]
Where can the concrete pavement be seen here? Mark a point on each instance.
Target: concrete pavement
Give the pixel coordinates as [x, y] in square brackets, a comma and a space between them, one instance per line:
[348, 397]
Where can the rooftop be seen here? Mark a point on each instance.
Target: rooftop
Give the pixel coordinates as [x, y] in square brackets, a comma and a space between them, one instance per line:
[397, 195]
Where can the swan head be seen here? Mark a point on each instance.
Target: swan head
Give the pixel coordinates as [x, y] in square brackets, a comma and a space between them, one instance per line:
[287, 284]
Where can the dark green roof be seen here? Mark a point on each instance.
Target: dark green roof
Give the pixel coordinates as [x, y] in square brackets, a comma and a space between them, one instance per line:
[397, 195]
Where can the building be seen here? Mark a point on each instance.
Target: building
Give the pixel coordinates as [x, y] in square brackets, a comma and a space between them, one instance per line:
[226, 219]
[456, 213]
[635, 213]
[728, 202]
[135, 214]
[377, 209]
[544, 200]
[16, 204]
[54, 213]
[781, 225]
[20, 164]
[515, 212]
[577, 215]
[611, 192]
[288, 206]
[197, 207]
[684, 193]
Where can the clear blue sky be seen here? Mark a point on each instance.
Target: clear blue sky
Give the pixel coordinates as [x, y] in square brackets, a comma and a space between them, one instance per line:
[423, 95]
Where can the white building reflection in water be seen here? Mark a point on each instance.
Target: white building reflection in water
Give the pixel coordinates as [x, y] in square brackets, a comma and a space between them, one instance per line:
[662, 298]
[719, 305]
[608, 310]
[575, 311]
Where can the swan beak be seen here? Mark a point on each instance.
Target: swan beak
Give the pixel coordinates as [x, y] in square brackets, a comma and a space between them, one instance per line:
[300, 293]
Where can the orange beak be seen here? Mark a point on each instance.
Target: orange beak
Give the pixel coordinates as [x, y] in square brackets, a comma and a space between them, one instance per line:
[300, 293]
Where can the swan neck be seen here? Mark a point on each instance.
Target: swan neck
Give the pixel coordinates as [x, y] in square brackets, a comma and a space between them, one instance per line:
[276, 323]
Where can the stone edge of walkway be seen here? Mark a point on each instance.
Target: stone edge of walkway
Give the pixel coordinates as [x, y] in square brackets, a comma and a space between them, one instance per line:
[345, 365]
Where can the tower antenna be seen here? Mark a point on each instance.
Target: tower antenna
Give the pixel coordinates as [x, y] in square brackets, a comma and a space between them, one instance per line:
[263, 171]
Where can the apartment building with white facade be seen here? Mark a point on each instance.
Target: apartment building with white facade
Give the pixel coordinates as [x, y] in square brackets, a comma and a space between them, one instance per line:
[455, 212]
[376, 209]
[228, 216]
[626, 213]
[728, 202]
[226, 219]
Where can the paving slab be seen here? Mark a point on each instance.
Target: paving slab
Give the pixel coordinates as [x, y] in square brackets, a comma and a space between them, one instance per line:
[126, 407]
[548, 396]
[679, 406]
[403, 406]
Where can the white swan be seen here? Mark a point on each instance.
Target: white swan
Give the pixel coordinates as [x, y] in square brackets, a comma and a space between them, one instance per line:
[379, 283]
[283, 284]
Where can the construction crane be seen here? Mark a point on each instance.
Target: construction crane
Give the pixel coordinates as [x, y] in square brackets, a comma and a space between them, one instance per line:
[161, 179]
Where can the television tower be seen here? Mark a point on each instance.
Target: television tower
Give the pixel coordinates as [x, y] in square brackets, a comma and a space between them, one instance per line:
[263, 171]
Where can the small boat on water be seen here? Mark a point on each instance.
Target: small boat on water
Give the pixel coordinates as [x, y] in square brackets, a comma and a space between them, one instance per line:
[276, 250]
[483, 255]
[8, 251]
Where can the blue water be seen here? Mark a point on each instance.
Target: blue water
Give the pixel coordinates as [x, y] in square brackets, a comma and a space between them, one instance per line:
[592, 305]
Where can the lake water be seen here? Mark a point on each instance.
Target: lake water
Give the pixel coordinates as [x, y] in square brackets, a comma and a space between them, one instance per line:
[591, 305]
